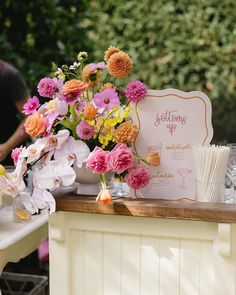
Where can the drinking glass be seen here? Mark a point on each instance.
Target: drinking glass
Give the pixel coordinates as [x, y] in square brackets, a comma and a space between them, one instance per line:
[118, 190]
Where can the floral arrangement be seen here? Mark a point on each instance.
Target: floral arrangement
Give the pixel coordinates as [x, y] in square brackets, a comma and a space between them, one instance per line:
[84, 120]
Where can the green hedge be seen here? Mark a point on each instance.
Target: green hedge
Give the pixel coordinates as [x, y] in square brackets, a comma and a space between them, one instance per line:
[184, 44]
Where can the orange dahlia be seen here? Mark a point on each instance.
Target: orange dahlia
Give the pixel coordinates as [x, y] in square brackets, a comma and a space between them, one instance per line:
[119, 64]
[111, 50]
[106, 86]
[74, 87]
[126, 132]
[91, 77]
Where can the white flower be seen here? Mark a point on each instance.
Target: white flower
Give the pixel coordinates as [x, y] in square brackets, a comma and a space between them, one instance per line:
[59, 73]
[53, 175]
[74, 66]
[34, 150]
[55, 141]
[44, 199]
[29, 203]
[72, 152]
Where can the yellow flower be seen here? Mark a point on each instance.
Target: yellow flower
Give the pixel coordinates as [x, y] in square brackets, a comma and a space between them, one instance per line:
[111, 50]
[119, 64]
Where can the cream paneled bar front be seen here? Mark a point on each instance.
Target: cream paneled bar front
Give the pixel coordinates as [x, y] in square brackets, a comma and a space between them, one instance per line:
[143, 247]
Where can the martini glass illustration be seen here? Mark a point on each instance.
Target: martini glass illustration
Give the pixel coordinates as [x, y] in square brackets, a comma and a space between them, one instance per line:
[183, 172]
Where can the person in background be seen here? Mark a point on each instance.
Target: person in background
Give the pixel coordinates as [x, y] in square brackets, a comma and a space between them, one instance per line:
[14, 94]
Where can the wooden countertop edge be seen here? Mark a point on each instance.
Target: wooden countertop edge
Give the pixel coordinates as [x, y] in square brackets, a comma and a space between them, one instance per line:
[182, 209]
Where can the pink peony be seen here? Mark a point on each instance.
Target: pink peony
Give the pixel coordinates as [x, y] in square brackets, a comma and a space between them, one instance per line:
[136, 91]
[15, 154]
[47, 87]
[120, 158]
[31, 106]
[138, 176]
[97, 161]
[84, 130]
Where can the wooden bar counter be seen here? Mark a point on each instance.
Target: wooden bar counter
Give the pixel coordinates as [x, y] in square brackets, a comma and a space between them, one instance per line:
[142, 246]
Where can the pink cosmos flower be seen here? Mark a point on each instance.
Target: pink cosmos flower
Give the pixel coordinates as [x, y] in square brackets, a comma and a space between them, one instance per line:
[84, 130]
[47, 87]
[15, 154]
[31, 106]
[106, 99]
[138, 176]
[97, 161]
[69, 99]
[120, 158]
[136, 91]
[99, 66]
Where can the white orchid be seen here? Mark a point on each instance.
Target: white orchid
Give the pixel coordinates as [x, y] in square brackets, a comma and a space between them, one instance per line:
[43, 199]
[72, 152]
[29, 202]
[53, 175]
[34, 151]
[55, 141]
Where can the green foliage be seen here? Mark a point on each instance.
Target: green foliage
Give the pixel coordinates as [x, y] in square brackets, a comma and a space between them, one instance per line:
[184, 44]
[35, 33]
[189, 45]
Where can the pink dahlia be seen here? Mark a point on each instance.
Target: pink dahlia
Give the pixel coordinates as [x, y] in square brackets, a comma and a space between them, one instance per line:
[84, 130]
[47, 87]
[31, 106]
[97, 161]
[136, 91]
[138, 176]
[106, 99]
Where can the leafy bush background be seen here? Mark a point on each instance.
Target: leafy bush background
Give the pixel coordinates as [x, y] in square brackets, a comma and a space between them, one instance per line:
[184, 44]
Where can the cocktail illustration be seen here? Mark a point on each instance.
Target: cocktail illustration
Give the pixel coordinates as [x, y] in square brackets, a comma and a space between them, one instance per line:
[183, 172]
[155, 148]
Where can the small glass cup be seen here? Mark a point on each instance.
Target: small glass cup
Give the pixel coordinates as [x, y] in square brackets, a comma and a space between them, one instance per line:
[20, 214]
[118, 189]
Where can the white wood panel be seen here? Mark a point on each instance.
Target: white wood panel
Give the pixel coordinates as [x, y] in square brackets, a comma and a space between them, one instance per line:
[150, 263]
[111, 264]
[224, 275]
[93, 276]
[190, 259]
[130, 265]
[77, 262]
[206, 268]
[169, 266]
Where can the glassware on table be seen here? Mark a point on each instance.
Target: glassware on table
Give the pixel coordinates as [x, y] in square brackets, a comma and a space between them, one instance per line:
[231, 175]
[118, 189]
[20, 214]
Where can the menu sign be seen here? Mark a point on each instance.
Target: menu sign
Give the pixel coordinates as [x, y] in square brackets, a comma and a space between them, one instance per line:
[171, 122]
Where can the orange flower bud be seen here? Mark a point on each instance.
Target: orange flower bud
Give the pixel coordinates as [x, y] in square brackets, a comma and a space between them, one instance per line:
[90, 112]
[35, 124]
[153, 158]
[104, 196]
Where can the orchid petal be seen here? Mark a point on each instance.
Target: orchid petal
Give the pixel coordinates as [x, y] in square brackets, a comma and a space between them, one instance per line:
[29, 202]
[44, 199]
